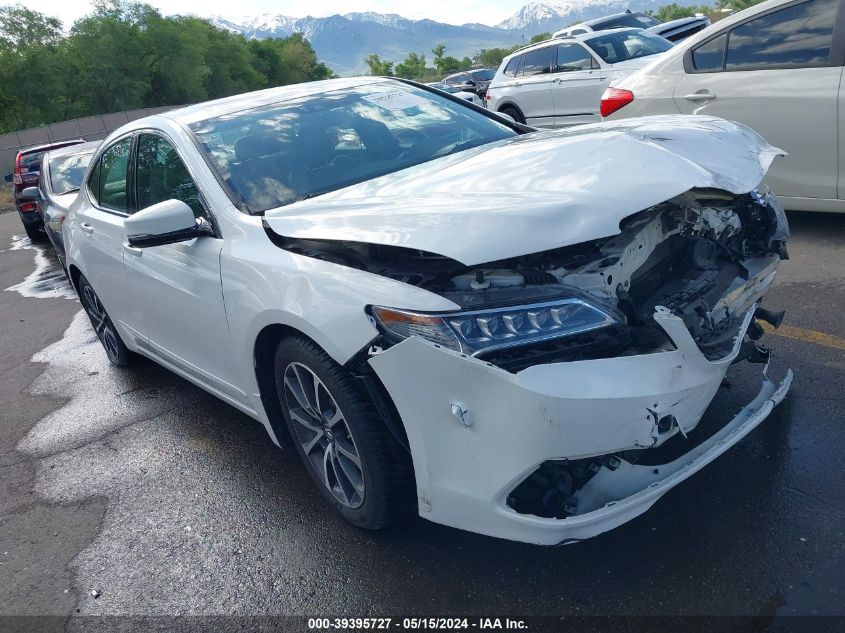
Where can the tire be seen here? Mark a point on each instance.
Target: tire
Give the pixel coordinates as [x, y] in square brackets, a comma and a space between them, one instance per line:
[349, 426]
[117, 352]
[515, 114]
[34, 233]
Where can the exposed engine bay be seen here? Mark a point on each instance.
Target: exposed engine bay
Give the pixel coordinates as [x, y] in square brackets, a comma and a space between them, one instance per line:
[707, 256]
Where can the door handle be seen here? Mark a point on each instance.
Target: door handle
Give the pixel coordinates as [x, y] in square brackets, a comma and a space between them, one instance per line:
[87, 228]
[133, 250]
[704, 95]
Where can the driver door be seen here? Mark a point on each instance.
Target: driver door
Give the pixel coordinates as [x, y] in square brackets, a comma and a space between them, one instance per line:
[176, 288]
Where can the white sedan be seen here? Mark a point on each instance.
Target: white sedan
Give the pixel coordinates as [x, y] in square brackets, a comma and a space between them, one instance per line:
[776, 67]
[441, 310]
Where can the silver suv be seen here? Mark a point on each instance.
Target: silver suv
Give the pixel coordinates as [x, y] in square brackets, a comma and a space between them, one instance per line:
[559, 82]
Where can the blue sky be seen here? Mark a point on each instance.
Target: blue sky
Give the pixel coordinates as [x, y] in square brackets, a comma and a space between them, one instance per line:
[450, 11]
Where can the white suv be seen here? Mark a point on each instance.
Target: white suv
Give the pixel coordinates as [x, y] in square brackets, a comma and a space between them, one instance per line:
[776, 67]
[559, 82]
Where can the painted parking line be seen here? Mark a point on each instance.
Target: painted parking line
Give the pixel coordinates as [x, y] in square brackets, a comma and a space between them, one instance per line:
[808, 336]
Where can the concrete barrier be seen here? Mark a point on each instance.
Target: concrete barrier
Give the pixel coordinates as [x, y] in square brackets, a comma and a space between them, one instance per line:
[91, 128]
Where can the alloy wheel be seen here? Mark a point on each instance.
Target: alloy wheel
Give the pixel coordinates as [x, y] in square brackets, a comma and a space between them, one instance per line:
[324, 435]
[101, 322]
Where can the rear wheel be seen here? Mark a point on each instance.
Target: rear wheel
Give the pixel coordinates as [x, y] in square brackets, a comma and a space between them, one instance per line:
[116, 350]
[358, 466]
[34, 233]
[512, 112]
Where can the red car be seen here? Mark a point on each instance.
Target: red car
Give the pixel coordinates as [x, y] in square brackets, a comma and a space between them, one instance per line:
[27, 166]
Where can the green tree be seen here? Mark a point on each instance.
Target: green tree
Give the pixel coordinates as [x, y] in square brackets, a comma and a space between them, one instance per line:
[21, 28]
[448, 64]
[491, 57]
[673, 11]
[540, 37]
[379, 67]
[438, 54]
[413, 67]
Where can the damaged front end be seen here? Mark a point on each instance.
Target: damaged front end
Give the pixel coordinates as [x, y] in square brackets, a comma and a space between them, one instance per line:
[528, 409]
[706, 256]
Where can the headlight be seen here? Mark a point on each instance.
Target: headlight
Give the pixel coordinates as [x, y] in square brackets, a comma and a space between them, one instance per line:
[477, 331]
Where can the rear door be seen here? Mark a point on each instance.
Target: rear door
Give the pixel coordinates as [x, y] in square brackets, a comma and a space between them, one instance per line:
[534, 87]
[99, 234]
[578, 82]
[779, 73]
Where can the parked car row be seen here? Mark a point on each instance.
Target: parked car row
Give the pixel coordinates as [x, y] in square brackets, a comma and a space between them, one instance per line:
[51, 185]
[776, 67]
[26, 172]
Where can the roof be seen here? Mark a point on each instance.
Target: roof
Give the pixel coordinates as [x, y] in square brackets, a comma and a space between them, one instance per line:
[70, 150]
[580, 37]
[250, 100]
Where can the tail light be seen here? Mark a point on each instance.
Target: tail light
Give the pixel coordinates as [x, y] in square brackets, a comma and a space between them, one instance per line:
[613, 99]
[487, 96]
[16, 176]
[27, 207]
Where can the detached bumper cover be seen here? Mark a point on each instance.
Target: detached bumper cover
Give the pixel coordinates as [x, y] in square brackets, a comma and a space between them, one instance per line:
[509, 424]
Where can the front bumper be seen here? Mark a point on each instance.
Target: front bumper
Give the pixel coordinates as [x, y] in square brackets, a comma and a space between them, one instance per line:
[476, 431]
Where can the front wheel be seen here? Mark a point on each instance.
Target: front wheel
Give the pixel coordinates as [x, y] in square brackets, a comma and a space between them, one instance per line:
[513, 113]
[116, 350]
[357, 464]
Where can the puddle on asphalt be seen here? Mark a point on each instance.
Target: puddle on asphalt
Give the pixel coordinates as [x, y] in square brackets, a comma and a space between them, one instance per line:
[196, 516]
[48, 279]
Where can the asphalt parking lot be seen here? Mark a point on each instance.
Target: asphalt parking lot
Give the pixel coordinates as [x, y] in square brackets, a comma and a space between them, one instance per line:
[134, 492]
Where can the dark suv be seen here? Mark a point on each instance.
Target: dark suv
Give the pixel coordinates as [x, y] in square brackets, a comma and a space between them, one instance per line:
[476, 81]
[27, 169]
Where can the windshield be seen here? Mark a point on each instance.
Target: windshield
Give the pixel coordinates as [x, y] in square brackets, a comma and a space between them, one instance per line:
[31, 162]
[278, 154]
[483, 75]
[66, 172]
[620, 47]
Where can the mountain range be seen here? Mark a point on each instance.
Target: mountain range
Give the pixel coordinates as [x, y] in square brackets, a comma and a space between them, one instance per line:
[343, 41]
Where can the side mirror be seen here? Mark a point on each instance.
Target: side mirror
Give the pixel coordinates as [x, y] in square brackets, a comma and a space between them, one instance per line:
[30, 194]
[8, 178]
[167, 222]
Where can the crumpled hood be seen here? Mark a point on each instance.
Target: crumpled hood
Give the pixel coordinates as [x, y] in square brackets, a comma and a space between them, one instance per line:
[535, 192]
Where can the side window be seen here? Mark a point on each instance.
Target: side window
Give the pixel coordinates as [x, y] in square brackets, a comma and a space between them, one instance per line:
[710, 55]
[572, 57]
[538, 61]
[161, 175]
[112, 191]
[513, 67]
[800, 35]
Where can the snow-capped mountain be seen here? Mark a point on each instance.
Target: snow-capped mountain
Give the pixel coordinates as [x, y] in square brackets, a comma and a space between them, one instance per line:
[343, 41]
[555, 15]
